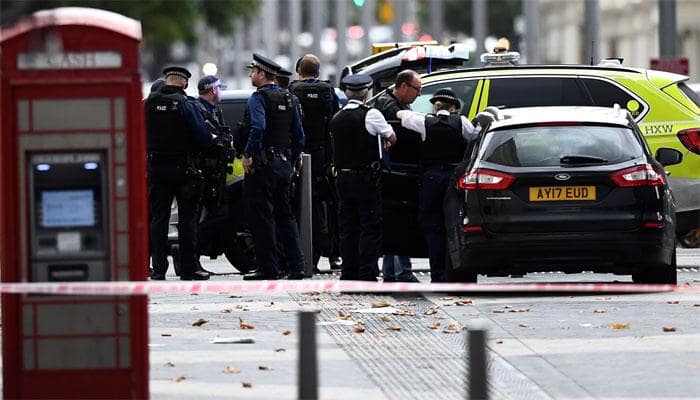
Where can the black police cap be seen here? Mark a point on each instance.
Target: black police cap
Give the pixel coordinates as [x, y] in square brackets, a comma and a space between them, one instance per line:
[265, 64]
[357, 82]
[284, 73]
[179, 71]
[446, 96]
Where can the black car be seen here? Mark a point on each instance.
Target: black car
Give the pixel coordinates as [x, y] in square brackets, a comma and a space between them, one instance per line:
[563, 189]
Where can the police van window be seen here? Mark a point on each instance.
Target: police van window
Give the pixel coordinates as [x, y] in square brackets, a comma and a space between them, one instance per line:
[535, 92]
[606, 94]
[463, 89]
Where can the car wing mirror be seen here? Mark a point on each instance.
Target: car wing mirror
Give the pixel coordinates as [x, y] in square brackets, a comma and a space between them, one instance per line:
[668, 156]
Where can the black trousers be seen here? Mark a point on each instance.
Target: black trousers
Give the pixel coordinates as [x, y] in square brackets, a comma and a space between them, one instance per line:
[324, 210]
[431, 217]
[266, 191]
[168, 181]
[360, 224]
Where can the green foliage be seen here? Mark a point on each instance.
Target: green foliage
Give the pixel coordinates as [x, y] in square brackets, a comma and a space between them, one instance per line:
[163, 21]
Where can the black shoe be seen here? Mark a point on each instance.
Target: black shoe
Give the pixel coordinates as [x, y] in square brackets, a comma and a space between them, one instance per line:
[388, 280]
[335, 263]
[295, 276]
[205, 271]
[412, 279]
[157, 277]
[196, 276]
[260, 276]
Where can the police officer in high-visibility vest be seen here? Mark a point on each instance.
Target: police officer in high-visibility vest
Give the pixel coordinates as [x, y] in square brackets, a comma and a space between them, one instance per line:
[275, 142]
[175, 131]
[444, 135]
[318, 103]
[359, 133]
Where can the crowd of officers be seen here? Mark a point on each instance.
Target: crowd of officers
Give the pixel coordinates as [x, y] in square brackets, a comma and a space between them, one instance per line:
[348, 149]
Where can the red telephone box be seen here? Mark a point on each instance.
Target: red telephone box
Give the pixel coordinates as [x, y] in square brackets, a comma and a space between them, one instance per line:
[73, 204]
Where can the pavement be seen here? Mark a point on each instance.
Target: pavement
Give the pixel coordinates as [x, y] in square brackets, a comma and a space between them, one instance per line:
[539, 347]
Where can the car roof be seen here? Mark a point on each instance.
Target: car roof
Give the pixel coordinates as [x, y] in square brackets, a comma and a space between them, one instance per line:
[534, 115]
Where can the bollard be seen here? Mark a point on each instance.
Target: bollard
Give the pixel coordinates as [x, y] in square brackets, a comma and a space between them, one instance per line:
[477, 379]
[307, 373]
[305, 225]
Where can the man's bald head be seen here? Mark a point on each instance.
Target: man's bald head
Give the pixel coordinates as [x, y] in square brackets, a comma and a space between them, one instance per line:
[308, 66]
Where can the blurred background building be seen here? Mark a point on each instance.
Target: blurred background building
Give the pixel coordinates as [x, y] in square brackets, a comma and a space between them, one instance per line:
[219, 37]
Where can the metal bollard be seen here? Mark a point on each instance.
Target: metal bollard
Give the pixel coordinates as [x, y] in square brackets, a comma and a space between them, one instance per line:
[305, 225]
[307, 373]
[477, 379]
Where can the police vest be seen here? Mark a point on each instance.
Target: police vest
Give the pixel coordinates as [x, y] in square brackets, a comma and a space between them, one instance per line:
[443, 143]
[316, 99]
[216, 118]
[279, 109]
[168, 130]
[355, 147]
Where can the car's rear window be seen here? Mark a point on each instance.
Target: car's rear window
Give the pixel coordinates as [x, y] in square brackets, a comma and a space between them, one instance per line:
[694, 97]
[233, 110]
[546, 145]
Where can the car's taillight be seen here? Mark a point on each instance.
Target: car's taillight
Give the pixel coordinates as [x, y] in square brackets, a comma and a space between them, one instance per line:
[690, 139]
[641, 175]
[485, 179]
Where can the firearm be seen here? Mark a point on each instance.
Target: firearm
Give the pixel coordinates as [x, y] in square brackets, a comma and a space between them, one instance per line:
[214, 163]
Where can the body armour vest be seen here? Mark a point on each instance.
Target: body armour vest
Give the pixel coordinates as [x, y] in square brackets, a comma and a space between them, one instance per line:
[316, 99]
[167, 128]
[355, 147]
[216, 118]
[279, 109]
[443, 143]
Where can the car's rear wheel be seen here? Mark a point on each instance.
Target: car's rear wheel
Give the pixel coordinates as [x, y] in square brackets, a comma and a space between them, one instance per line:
[241, 253]
[661, 274]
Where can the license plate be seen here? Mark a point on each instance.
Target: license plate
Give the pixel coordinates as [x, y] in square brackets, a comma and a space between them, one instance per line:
[562, 193]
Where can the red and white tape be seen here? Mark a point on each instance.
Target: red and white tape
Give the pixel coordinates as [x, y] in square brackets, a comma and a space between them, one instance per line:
[150, 287]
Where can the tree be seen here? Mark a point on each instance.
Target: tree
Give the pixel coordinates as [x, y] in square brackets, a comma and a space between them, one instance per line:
[163, 22]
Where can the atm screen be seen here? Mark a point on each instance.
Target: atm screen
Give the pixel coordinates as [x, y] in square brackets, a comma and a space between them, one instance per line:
[67, 208]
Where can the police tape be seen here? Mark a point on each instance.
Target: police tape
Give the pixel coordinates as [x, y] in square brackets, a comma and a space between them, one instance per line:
[338, 286]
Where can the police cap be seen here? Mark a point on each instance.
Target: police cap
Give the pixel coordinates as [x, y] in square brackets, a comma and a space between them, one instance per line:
[264, 64]
[283, 73]
[357, 82]
[446, 96]
[209, 82]
[179, 71]
[157, 84]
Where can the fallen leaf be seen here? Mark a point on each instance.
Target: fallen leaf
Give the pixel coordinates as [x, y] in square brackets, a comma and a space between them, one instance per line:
[247, 385]
[393, 328]
[499, 342]
[507, 306]
[380, 304]
[283, 310]
[381, 335]
[244, 325]
[179, 378]
[226, 311]
[169, 364]
[312, 293]
[264, 368]
[165, 334]
[523, 325]
[434, 325]
[464, 302]
[431, 310]
[446, 298]
[200, 322]
[519, 310]
[385, 318]
[235, 296]
[453, 327]
[344, 315]
[358, 329]
[360, 322]
[620, 326]
[287, 333]
[231, 370]
[280, 349]
[673, 302]
[696, 305]
[498, 311]
[405, 313]
[599, 311]
[194, 294]
[669, 328]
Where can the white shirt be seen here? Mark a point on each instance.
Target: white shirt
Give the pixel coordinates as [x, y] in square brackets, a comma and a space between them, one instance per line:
[415, 121]
[374, 120]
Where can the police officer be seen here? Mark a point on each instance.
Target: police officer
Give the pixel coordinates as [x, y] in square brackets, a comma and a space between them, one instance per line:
[275, 141]
[359, 133]
[318, 103]
[444, 135]
[407, 87]
[175, 129]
